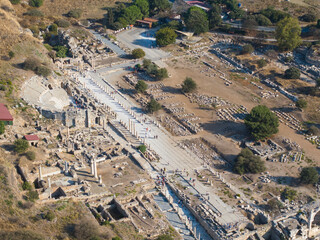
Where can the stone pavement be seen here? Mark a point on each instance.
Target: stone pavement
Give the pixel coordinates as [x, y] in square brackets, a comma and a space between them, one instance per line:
[172, 157]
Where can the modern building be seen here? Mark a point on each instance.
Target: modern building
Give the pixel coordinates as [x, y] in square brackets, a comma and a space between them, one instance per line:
[5, 115]
[32, 139]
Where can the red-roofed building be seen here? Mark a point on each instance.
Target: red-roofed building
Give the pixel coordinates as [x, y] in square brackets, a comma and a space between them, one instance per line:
[5, 115]
[32, 139]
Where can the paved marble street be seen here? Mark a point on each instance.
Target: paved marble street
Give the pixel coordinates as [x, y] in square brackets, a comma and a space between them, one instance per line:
[172, 157]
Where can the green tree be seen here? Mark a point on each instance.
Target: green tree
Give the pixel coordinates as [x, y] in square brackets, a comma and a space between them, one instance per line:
[141, 86]
[274, 15]
[262, 20]
[197, 20]
[215, 16]
[144, 7]
[159, 5]
[288, 33]
[35, 3]
[153, 106]
[142, 148]
[247, 162]
[165, 36]
[189, 85]
[161, 74]
[292, 73]
[2, 127]
[131, 14]
[301, 103]
[110, 17]
[261, 122]
[247, 49]
[20, 145]
[138, 53]
[318, 23]
[309, 175]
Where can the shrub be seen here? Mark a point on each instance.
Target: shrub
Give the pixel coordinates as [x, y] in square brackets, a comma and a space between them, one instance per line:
[141, 86]
[50, 215]
[20, 145]
[43, 71]
[164, 237]
[48, 47]
[14, 2]
[11, 54]
[35, 3]
[309, 17]
[54, 28]
[189, 85]
[3, 88]
[35, 30]
[85, 229]
[289, 194]
[31, 155]
[161, 74]
[138, 53]
[62, 23]
[262, 63]
[61, 51]
[142, 148]
[26, 186]
[301, 103]
[261, 122]
[153, 106]
[288, 59]
[275, 205]
[247, 162]
[247, 49]
[34, 13]
[32, 196]
[309, 175]
[313, 130]
[2, 127]
[75, 13]
[116, 238]
[31, 64]
[146, 63]
[292, 73]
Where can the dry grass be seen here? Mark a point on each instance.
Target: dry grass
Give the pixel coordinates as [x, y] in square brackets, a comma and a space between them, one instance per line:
[91, 8]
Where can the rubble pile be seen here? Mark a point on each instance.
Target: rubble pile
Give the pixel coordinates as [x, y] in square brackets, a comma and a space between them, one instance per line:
[207, 101]
[289, 120]
[188, 121]
[232, 114]
[174, 127]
